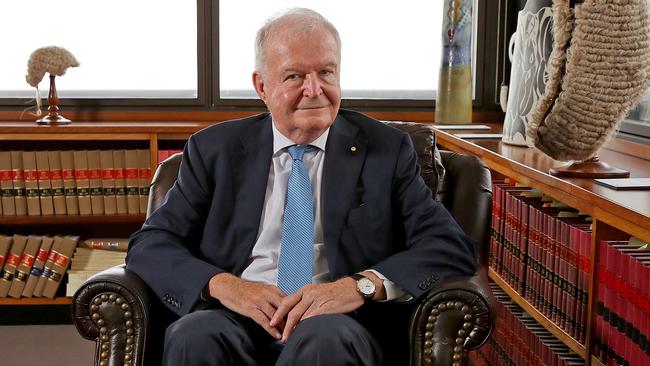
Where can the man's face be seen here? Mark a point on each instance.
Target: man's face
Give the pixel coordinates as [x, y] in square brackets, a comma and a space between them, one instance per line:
[300, 84]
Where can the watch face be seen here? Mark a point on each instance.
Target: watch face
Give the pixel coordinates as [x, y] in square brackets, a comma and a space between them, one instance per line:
[366, 287]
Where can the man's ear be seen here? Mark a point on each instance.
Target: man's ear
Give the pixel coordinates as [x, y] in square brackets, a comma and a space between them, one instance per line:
[258, 83]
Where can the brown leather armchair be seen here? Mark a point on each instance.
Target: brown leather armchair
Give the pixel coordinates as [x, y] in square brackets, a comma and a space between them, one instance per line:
[117, 310]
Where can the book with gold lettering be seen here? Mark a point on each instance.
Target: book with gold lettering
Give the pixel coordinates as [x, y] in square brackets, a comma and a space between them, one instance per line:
[11, 263]
[58, 265]
[132, 182]
[120, 181]
[39, 262]
[95, 179]
[108, 181]
[53, 253]
[6, 185]
[144, 178]
[81, 176]
[44, 183]
[114, 244]
[69, 183]
[18, 180]
[25, 265]
[5, 243]
[31, 183]
[56, 179]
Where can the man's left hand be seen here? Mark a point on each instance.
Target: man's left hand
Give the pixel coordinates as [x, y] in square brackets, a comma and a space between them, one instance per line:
[327, 298]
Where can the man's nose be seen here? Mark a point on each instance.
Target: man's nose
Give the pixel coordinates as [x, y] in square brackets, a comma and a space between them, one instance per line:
[312, 86]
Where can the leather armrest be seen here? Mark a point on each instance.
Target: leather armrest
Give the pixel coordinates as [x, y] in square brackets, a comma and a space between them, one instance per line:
[112, 309]
[455, 316]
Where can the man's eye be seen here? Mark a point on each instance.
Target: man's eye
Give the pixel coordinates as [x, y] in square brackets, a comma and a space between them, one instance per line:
[326, 72]
[292, 77]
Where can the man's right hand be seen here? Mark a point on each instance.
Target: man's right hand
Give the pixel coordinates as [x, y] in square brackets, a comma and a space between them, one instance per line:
[254, 300]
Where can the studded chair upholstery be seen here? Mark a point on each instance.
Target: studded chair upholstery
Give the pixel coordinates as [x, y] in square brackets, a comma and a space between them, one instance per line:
[117, 310]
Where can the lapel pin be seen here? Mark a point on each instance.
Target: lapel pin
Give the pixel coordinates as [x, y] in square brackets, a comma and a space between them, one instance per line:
[353, 148]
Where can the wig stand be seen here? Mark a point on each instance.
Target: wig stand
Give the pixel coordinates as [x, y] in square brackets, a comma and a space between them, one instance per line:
[590, 168]
[53, 117]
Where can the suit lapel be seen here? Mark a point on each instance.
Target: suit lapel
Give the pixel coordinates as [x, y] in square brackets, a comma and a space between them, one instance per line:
[344, 158]
[250, 164]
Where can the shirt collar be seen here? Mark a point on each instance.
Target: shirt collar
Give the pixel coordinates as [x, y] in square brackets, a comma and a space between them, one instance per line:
[280, 141]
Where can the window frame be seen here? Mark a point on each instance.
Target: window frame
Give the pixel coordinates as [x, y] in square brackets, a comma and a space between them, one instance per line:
[208, 97]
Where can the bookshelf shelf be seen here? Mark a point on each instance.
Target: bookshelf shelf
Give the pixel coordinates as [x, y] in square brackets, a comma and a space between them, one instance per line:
[71, 220]
[595, 361]
[575, 346]
[36, 301]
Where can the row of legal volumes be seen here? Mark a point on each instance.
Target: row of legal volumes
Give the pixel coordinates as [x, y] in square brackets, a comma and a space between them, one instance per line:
[519, 340]
[33, 266]
[622, 324]
[540, 247]
[85, 182]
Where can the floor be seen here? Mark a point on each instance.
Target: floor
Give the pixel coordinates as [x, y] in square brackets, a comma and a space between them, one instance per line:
[60, 345]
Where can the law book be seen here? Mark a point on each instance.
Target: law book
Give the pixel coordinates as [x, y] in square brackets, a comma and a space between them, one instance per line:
[37, 269]
[120, 181]
[108, 182]
[95, 181]
[18, 180]
[81, 175]
[6, 185]
[13, 258]
[144, 178]
[25, 265]
[58, 266]
[31, 183]
[52, 255]
[131, 166]
[69, 183]
[44, 183]
[115, 244]
[56, 180]
[5, 243]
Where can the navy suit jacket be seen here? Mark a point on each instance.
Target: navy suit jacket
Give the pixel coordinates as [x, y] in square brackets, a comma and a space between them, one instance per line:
[377, 212]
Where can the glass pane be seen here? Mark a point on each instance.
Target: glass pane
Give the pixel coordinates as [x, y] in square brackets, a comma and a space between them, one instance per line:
[127, 49]
[390, 49]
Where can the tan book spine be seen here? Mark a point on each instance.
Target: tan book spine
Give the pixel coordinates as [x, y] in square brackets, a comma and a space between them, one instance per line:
[120, 182]
[31, 183]
[18, 180]
[5, 243]
[144, 178]
[69, 183]
[81, 176]
[59, 266]
[25, 265]
[56, 179]
[47, 267]
[37, 269]
[6, 185]
[132, 182]
[113, 244]
[44, 183]
[108, 182]
[13, 258]
[95, 179]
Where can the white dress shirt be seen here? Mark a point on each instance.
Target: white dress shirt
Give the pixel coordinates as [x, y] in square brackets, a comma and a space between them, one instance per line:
[263, 262]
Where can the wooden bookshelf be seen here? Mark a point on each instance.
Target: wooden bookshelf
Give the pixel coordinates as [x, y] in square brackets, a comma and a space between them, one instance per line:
[560, 334]
[35, 301]
[612, 211]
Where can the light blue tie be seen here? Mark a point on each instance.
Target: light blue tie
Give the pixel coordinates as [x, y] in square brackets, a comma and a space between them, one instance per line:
[297, 242]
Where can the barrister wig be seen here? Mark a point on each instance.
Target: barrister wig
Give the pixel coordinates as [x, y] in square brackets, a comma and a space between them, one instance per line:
[598, 70]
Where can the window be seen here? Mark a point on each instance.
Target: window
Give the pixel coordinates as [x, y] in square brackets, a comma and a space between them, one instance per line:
[201, 53]
[636, 126]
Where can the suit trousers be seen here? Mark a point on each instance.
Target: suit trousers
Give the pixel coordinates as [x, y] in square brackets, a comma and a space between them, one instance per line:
[222, 337]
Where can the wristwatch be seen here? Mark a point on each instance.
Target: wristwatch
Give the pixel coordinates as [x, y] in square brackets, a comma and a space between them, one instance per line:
[365, 286]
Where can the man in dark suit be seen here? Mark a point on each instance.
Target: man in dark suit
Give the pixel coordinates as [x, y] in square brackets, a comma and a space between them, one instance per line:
[307, 189]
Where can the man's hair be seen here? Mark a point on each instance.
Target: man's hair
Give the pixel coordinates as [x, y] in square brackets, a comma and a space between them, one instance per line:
[299, 20]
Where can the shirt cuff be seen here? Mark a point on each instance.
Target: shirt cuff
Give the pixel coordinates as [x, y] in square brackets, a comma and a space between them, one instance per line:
[393, 293]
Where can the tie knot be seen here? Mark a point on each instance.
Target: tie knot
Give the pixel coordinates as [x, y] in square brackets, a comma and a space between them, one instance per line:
[297, 151]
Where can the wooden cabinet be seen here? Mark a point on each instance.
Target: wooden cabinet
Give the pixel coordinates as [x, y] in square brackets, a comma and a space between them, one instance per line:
[613, 212]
